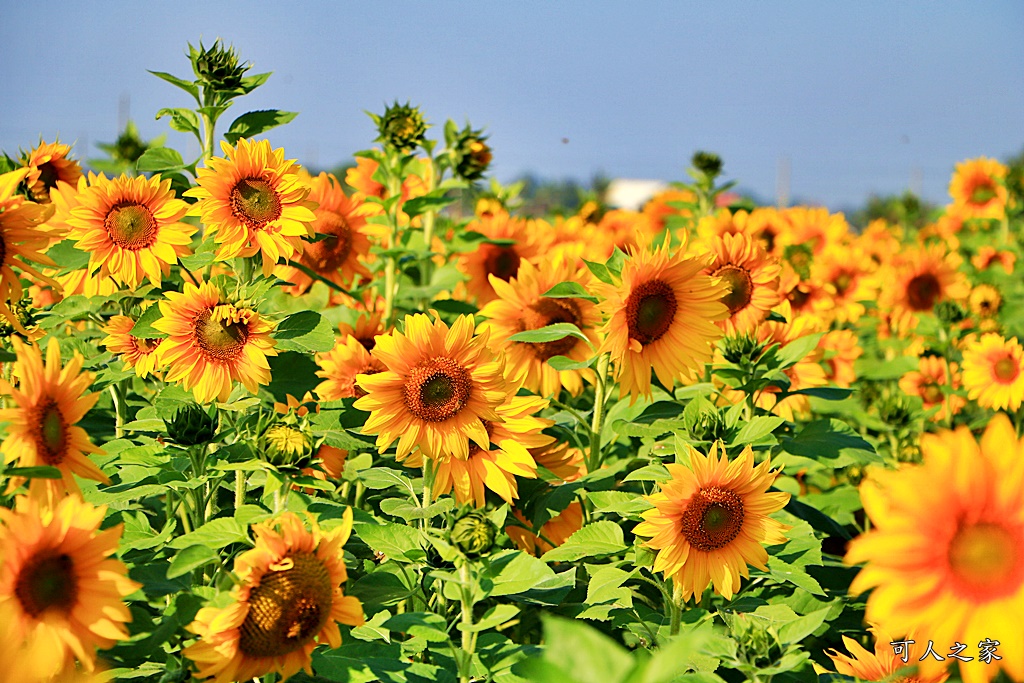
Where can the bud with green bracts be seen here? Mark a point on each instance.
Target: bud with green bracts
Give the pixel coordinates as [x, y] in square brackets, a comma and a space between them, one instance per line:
[401, 127]
[708, 163]
[285, 444]
[217, 66]
[473, 534]
[471, 154]
[191, 425]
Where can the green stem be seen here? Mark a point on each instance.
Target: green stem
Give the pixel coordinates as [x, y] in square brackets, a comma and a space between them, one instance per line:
[598, 421]
[208, 138]
[239, 488]
[428, 487]
[394, 186]
[119, 393]
[468, 636]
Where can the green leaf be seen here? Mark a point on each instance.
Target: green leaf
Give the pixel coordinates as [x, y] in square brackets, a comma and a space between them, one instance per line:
[144, 329]
[800, 628]
[569, 290]
[595, 539]
[384, 477]
[157, 159]
[256, 122]
[605, 592]
[562, 363]
[512, 572]
[397, 507]
[783, 572]
[67, 256]
[305, 331]
[600, 271]
[38, 472]
[655, 472]
[214, 534]
[188, 86]
[549, 333]
[189, 558]
[435, 201]
[182, 120]
[618, 502]
[756, 429]
[796, 350]
[394, 541]
[496, 616]
[426, 625]
[582, 652]
[831, 440]
[826, 393]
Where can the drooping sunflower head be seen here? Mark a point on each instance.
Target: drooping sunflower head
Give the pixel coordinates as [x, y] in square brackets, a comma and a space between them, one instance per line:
[993, 372]
[978, 188]
[47, 164]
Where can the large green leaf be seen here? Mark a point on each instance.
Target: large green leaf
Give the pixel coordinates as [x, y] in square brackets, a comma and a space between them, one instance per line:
[255, 122]
[594, 540]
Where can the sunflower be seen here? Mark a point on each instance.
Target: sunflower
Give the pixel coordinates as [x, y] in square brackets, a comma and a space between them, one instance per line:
[845, 273]
[287, 599]
[882, 665]
[521, 305]
[340, 222]
[842, 349]
[662, 316]
[340, 366]
[985, 301]
[60, 591]
[944, 552]
[211, 343]
[254, 201]
[666, 204]
[368, 325]
[978, 188]
[993, 372]
[131, 228]
[440, 385]
[988, 256]
[42, 431]
[752, 277]
[47, 165]
[934, 382]
[136, 352]
[565, 462]
[514, 240]
[816, 228]
[628, 229]
[710, 520]
[922, 278]
[552, 533]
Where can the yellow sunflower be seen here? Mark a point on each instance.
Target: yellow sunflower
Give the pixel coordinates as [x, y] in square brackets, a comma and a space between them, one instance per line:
[845, 274]
[978, 188]
[131, 228]
[562, 460]
[41, 427]
[944, 555]
[752, 277]
[815, 227]
[288, 599]
[254, 201]
[710, 520]
[368, 325]
[518, 240]
[985, 301]
[440, 384]
[138, 353]
[934, 382]
[47, 165]
[628, 229]
[993, 372]
[60, 591]
[552, 533]
[338, 255]
[662, 315]
[921, 278]
[882, 665]
[521, 306]
[212, 343]
[842, 349]
[340, 366]
[988, 256]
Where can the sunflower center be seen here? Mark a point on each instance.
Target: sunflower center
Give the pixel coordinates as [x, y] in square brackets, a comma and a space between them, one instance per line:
[219, 339]
[328, 254]
[983, 193]
[1005, 369]
[145, 346]
[741, 287]
[842, 282]
[50, 433]
[49, 174]
[931, 394]
[3, 250]
[712, 519]
[131, 225]
[47, 582]
[287, 609]
[255, 202]
[437, 389]
[987, 560]
[546, 312]
[502, 262]
[922, 291]
[650, 310]
[356, 390]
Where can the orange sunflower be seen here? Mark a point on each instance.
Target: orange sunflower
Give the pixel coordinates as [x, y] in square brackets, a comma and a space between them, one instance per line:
[41, 428]
[978, 188]
[845, 273]
[254, 201]
[934, 382]
[212, 343]
[944, 553]
[131, 228]
[988, 256]
[47, 165]
[710, 520]
[841, 349]
[552, 533]
[565, 462]
[521, 305]
[60, 591]
[922, 278]
[368, 325]
[881, 665]
[440, 385]
[514, 240]
[659, 208]
[993, 372]
[287, 599]
[752, 277]
[138, 353]
[815, 227]
[340, 366]
[662, 316]
[338, 255]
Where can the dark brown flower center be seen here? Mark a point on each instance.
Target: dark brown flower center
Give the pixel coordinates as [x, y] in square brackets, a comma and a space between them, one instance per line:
[546, 312]
[218, 339]
[3, 250]
[255, 202]
[51, 433]
[842, 281]
[145, 346]
[741, 287]
[47, 581]
[287, 609]
[712, 519]
[931, 394]
[331, 252]
[500, 261]
[923, 291]
[1005, 369]
[131, 225]
[983, 192]
[437, 389]
[987, 560]
[49, 174]
[650, 310]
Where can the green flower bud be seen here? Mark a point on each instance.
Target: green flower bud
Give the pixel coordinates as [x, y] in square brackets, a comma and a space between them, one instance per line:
[474, 534]
[740, 349]
[191, 425]
[401, 127]
[950, 312]
[129, 145]
[218, 67]
[758, 641]
[800, 257]
[285, 444]
[472, 154]
[708, 163]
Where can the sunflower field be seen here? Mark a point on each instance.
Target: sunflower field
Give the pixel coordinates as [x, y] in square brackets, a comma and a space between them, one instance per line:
[263, 425]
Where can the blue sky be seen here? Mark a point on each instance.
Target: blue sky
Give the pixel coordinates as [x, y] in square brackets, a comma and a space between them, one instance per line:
[857, 97]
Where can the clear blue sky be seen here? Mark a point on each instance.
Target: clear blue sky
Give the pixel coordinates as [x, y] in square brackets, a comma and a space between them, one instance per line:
[856, 95]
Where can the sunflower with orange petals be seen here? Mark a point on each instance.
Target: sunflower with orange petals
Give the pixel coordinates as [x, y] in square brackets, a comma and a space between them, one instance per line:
[881, 665]
[49, 400]
[287, 600]
[136, 352]
[841, 350]
[752, 277]
[993, 372]
[341, 365]
[513, 240]
[815, 227]
[47, 165]
[934, 382]
[565, 462]
[943, 555]
[61, 592]
[846, 275]
[978, 188]
[920, 279]
[131, 228]
[710, 520]
[254, 202]
[661, 316]
[628, 229]
[551, 534]
[667, 204]
[212, 343]
[440, 387]
[988, 256]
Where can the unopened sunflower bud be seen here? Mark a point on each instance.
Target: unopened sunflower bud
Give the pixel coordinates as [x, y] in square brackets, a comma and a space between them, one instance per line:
[950, 312]
[472, 154]
[474, 534]
[708, 163]
[191, 426]
[743, 348]
[757, 639]
[285, 444]
[217, 66]
[401, 127]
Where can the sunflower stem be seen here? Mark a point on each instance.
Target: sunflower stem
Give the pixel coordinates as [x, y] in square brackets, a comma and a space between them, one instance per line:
[208, 137]
[428, 487]
[598, 422]
[394, 187]
[239, 488]
[468, 636]
[119, 393]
